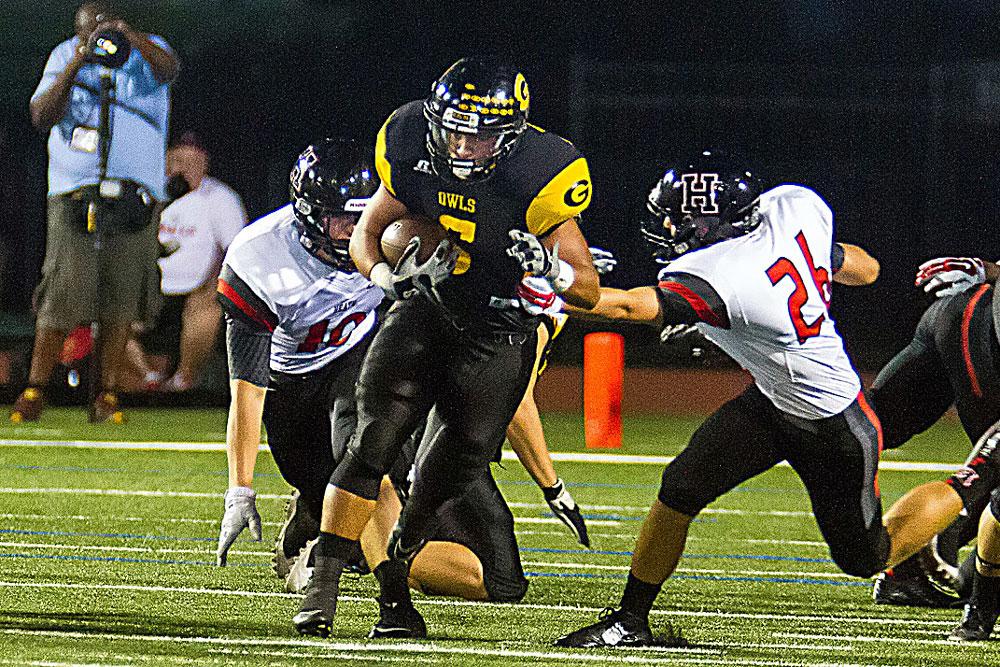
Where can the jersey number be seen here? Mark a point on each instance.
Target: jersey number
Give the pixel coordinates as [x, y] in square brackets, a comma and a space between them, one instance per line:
[467, 232]
[317, 337]
[797, 299]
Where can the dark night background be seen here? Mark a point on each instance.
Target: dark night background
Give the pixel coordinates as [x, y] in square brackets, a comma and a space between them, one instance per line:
[890, 114]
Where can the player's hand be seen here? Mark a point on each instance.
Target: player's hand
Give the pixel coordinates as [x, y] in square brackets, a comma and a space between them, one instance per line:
[537, 296]
[566, 509]
[675, 332]
[604, 261]
[945, 276]
[241, 512]
[534, 257]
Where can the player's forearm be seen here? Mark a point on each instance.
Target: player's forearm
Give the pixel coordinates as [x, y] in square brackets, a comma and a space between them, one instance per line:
[366, 240]
[246, 409]
[585, 292]
[992, 272]
[635, 305]
[527, 439]
[859, 268]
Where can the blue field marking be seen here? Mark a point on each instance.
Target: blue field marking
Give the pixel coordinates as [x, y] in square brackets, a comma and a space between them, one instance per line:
[120, 536]
[789, 559]
[119, 559]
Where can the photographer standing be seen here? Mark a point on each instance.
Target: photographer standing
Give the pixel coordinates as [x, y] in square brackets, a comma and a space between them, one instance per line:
[106, 175]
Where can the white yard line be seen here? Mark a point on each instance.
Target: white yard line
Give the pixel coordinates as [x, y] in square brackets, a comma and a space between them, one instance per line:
[714, 614]
[882, 640]
[570, 457]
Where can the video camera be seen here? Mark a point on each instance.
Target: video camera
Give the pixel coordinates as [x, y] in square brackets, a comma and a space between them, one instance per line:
[109, 48]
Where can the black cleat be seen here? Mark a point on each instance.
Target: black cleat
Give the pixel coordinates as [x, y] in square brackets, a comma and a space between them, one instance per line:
[319, 606]
[976, 626]
[615, 628]
[914, 589]
[299, 527]
[313, 623]
[398, 620]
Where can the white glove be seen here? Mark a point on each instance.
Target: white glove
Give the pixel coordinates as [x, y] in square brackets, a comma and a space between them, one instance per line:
[674, 332]
[945, 276]
[241, 512]
[537, 296]
[537, 260]
[408, 277]
[604, 261]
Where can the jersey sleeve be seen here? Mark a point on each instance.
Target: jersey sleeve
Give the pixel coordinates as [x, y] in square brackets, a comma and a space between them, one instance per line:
[248, 350]
[687, 299]
[566, 195]
[837, 257]
[401, 137]
[240, 302]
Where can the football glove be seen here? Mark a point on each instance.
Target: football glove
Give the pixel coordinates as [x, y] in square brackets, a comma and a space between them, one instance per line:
[539, 261]
[945, 276]
[409, 276]
[604, 261]
[241, 512]
[674, 332]
[537, 296]
[567, 511]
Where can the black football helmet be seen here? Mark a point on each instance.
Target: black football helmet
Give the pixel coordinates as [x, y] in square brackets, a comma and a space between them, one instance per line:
[331, 180]
[475, 114]
[699, 202]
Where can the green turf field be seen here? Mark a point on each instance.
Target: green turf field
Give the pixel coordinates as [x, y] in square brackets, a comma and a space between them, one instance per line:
[106, 559]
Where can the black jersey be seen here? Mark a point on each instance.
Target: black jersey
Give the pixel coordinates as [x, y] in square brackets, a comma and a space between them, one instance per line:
[541, 184]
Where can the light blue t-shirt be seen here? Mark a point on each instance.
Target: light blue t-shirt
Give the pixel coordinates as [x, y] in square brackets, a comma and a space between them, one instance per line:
[138, 123]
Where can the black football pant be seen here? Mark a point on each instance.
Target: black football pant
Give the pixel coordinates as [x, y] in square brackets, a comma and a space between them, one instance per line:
[309, 420]
[479, 519]
[953, 358]
[836, 458]
[418, 359]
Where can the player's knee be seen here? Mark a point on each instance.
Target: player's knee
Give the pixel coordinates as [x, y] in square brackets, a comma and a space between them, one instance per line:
[357, 476]
[865, 559]
[681, 493]
[507, 590]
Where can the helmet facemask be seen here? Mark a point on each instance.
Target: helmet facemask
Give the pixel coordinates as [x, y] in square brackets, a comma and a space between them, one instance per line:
[466, 153]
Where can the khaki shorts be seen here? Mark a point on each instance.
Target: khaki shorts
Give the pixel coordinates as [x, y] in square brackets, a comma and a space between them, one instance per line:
[81, 283]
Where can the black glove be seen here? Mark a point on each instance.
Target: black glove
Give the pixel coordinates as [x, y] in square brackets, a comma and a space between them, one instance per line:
[566, 509]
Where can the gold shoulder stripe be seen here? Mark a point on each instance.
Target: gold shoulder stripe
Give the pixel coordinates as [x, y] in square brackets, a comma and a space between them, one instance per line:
[381, 161]
[564, 197]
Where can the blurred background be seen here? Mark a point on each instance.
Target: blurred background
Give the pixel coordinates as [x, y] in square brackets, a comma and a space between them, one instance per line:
[891, 115]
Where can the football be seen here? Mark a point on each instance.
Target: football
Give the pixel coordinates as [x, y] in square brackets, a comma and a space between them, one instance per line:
[397, 236]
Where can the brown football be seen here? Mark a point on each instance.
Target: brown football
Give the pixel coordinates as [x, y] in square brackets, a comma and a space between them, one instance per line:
[398, 234]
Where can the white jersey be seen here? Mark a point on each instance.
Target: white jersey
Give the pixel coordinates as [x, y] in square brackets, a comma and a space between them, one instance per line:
[202, 224]
[775, 284]
[314, 312]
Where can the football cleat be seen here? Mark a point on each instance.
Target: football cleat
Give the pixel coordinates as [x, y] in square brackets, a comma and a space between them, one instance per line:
[912, 590]
[106, 409]
[319, 606]
[299, 527]
[976, 625]
[614, 628]
[398, 620]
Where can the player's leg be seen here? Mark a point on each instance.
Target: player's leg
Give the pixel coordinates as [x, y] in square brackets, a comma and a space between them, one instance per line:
[983, 607]
[837, 460]
[736, 443]
[398, 383]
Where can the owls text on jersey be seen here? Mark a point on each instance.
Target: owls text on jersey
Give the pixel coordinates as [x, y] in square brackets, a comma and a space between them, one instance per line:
[775, 286]
[541, 184]
[314, 313]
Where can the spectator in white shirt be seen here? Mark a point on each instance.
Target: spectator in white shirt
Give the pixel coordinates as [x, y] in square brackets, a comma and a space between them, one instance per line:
[195, 229]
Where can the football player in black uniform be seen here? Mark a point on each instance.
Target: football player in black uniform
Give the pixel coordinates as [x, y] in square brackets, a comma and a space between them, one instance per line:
[456, 338]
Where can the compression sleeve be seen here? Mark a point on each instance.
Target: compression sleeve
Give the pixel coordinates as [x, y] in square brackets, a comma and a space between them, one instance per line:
[249, 352]
[687, 299]
[837, 257]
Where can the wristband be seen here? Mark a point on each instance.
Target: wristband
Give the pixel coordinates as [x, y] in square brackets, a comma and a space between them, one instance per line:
[564, 279]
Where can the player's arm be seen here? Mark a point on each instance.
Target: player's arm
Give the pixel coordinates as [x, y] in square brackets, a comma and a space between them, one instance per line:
[249, 323]
[365, 246]
[639, 305]
[584, 290]
[853, 266]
